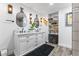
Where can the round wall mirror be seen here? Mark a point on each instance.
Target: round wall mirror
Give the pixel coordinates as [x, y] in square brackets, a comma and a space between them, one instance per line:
[21, 18]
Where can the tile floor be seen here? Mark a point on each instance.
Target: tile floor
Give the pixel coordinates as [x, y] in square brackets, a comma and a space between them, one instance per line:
[61, 51]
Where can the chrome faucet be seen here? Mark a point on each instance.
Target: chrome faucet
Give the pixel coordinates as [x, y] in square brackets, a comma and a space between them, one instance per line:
[22, 30]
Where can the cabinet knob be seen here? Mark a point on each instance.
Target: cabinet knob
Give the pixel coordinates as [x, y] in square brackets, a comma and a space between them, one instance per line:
[36, 44]
[36, 41]
[27, 36]
[27, 40]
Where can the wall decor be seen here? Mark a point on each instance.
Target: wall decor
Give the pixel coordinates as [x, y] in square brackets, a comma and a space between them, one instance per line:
[21, 19]
[30, 17]
[41, 20]
[36, 21]
[69, 19]
[45, 21]
[10, 8]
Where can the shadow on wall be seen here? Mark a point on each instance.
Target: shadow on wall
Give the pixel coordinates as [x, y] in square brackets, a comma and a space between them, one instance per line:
[0, 53]
[10, 49]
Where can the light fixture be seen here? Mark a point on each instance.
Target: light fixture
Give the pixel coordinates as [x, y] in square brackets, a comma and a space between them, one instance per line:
[51, 4]
[10, 8]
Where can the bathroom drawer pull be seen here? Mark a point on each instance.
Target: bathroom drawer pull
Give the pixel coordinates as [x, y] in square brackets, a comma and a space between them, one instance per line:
[36, 41]
[36, 44]
[27, 41]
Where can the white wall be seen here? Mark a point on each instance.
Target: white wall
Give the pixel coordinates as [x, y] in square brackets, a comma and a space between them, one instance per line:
[6, 28]
[65, 32]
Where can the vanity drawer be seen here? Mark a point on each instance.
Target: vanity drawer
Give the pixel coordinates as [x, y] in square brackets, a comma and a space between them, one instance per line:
[23, 45]
[31, 43]
[23, 39]
[26, 42]
[31, 37]
[39, 36]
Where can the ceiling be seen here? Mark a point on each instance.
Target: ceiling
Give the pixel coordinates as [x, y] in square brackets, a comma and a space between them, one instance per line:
[45, 8]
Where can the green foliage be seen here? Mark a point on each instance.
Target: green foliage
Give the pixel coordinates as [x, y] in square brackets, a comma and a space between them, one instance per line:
[32, 26]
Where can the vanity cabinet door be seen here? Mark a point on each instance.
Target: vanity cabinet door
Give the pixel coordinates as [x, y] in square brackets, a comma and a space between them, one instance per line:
[31, 41]
[23, 45]
[40, 39]
[27, 42]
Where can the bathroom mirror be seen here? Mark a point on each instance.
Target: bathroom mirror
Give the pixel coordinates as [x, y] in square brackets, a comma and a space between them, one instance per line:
[21, 18]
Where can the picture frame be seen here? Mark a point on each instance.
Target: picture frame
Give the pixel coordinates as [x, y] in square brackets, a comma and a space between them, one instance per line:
[69, 19]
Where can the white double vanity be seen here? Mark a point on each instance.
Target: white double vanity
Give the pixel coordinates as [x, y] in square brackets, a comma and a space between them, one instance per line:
[27, 42]
[24, 41]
